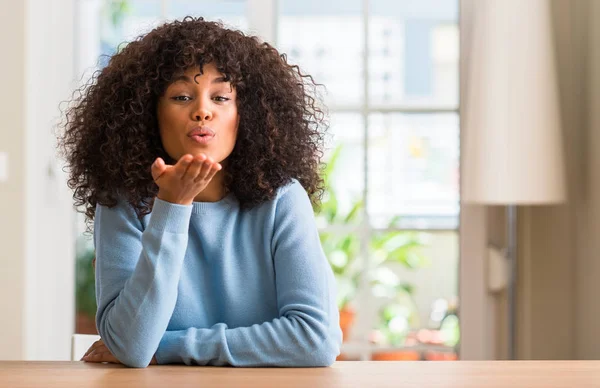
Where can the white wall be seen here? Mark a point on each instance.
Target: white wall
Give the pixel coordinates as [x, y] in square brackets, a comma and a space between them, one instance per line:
[37, 249]
[12, 204]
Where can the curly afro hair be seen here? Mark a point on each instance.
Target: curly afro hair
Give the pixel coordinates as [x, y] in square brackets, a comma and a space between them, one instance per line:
[111, 136]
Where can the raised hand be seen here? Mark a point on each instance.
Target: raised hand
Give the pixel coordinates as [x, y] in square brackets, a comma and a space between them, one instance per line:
[182, 182]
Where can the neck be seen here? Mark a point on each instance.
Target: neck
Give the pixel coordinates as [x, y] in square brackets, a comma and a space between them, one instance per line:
[215, 191]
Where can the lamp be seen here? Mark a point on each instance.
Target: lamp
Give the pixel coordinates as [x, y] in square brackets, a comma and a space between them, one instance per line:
[513, 150]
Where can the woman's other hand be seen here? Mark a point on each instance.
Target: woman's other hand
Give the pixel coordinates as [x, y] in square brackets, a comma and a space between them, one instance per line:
[98, 352]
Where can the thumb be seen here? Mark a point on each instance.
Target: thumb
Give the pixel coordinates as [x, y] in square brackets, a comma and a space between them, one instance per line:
[158, 168]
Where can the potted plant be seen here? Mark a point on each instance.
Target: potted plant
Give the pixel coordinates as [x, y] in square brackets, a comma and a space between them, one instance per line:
[396, 320]
[342, 248]
[399, 313]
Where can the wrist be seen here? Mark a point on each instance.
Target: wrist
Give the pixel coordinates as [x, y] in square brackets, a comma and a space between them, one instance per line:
[172, 199]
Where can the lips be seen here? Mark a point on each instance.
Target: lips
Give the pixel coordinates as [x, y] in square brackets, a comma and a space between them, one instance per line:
[201, 131]
[201, 135]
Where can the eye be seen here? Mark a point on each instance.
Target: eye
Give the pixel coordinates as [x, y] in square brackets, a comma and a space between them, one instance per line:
[181, 98]
[221, 99]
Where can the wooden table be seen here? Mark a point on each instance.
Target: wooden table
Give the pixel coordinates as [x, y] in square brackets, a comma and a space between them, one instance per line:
[461, 374]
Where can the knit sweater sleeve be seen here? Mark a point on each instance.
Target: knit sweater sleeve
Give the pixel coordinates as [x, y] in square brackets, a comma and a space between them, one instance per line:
[137, 274]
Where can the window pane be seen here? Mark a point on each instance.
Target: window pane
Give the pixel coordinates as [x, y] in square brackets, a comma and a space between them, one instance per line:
[325, 38]
[342, 203]
[413, 170]
[413, 52]
[415, 286]
[105, 25]
[232, 13]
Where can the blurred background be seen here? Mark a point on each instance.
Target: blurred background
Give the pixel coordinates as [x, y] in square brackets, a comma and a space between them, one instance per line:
[440, 111]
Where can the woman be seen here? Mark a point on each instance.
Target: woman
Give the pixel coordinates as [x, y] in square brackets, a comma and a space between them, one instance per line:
[196, 153]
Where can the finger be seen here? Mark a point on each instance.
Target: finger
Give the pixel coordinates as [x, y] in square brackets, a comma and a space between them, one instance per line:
[158, 168]
[98, 350]
[182, 165]
[215, 169]
[195, 167]
[206, 169]
[93, 352]
[94, 346]
[102, 357]
[108, 357]
[90, 357]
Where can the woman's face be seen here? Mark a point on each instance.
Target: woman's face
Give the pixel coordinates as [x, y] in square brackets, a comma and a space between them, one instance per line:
[198, 114]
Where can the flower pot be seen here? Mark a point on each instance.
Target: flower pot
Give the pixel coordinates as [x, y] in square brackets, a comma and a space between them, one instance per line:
[441, 356]
[396, 355]
[347, 315]
[84, 324]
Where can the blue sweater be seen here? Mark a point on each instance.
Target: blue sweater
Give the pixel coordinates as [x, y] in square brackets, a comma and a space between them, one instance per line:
[211, 284]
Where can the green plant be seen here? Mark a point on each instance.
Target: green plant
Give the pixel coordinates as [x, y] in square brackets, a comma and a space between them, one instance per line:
[450, 328]
[116, 10]
[395, 321]
[399, 312]
[85, 293]
[341, 245]
[114, 13]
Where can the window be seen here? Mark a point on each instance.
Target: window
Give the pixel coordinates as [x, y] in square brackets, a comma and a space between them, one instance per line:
[390, 69]
[389, 221]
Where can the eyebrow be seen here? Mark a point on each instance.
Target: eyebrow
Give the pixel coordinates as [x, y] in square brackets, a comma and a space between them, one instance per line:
[185, 78]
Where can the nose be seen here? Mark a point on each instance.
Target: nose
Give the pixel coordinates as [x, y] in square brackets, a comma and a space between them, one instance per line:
[201, 109]
[203, 115]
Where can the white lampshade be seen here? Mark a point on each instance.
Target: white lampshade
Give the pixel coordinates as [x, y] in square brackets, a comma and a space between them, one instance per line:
[513, 149]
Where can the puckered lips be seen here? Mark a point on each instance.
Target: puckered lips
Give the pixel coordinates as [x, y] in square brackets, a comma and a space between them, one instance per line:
[201, 135]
